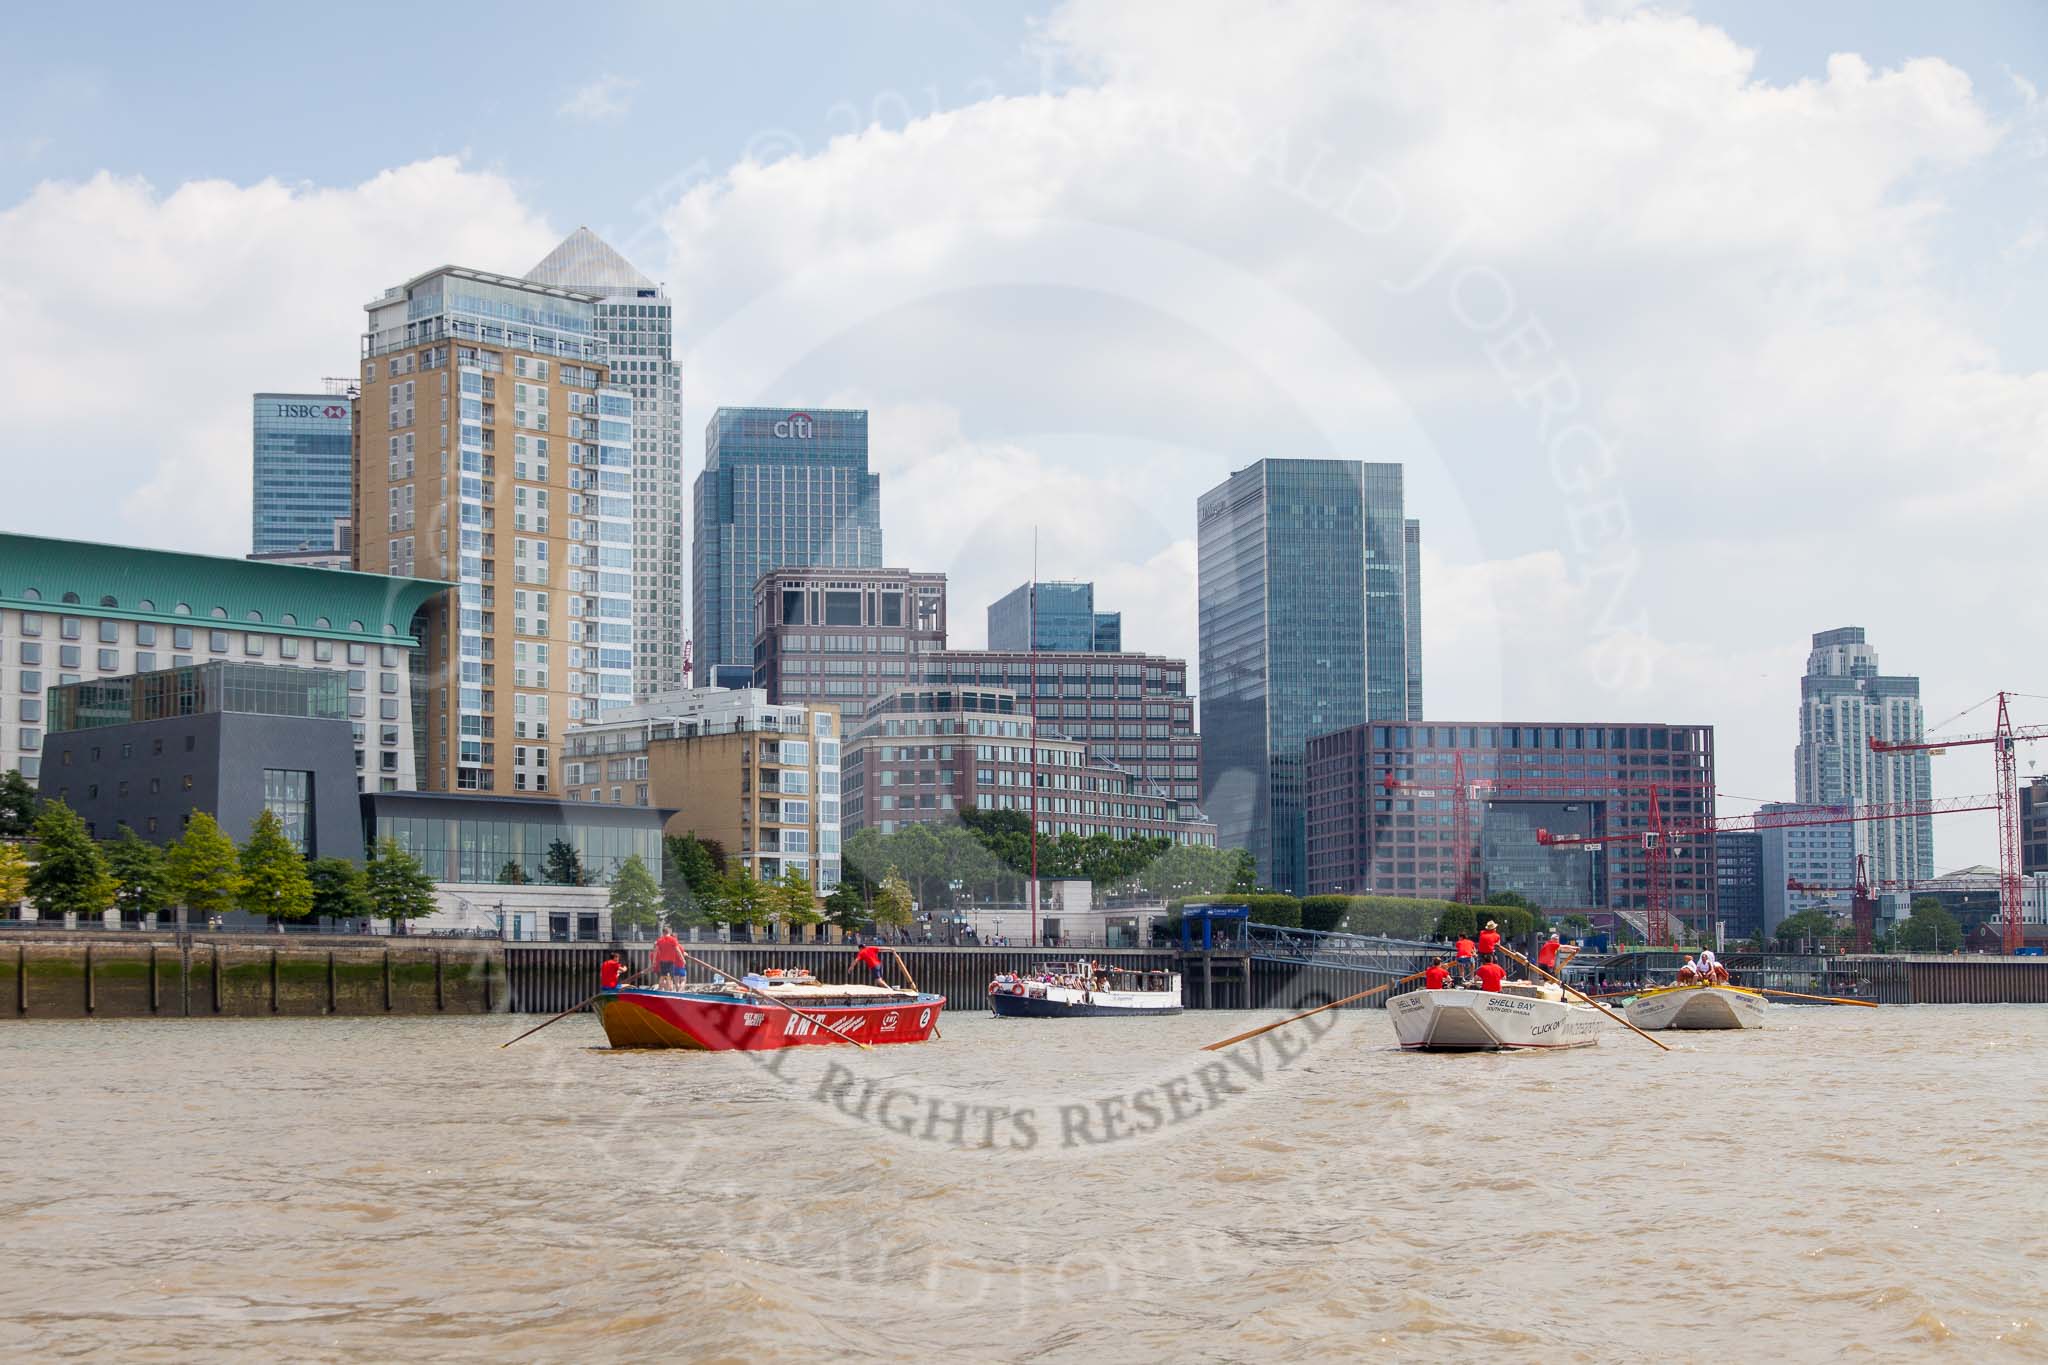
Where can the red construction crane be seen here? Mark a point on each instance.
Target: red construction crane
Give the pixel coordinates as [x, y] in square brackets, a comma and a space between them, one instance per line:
[2011, 895]
[1656, 838]
[1863, 899]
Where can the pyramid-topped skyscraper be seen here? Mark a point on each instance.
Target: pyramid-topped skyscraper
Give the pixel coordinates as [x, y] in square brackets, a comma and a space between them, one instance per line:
[636, 324]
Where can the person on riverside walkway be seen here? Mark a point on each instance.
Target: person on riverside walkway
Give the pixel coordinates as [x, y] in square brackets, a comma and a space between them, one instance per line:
[608, 973]
[870, 959]
[668, 958]
[1489, 943]
[1466, 952]
[1437, 977]
[1491, 974]
[1546, 954]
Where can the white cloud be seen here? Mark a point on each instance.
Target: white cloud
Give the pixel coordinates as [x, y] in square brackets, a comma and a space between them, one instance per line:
[139, 323]
[606, 97]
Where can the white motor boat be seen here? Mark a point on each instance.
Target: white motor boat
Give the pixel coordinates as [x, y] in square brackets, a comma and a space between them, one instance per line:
[1521, 1014]
[1696, 1006]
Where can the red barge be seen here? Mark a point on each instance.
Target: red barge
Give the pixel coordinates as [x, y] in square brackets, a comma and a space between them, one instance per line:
[798, 1012]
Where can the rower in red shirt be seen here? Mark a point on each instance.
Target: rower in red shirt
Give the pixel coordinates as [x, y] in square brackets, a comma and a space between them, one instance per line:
[1489, 942]
[1491, 974]
[1437, 977]
[870, 957]
[1546, 955]
[668, 957]
[1465, 954]
[608, 973]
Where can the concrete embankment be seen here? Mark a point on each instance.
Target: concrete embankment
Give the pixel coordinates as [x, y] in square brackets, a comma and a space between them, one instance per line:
[142, 975]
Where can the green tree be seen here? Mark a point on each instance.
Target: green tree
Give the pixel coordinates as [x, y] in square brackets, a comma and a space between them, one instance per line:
[563, 866]
[340, 891]
[794, 899]
[1457, 921]
[274, 881]
[142, 885]
[1513, 898]
[1818, 925]
[892, 906]
[921, 856]
[513, 873]
[205, 873]
[14, 867]
[19, 805]
[741, 899]
[689, 879]
[1575, 926]
[1930, 928]
[1244, 876]
[845, 908]
[635, 897]
[70, 875]
[399, 888]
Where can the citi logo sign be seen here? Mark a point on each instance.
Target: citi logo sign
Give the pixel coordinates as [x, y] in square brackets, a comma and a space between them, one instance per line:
[797, 424]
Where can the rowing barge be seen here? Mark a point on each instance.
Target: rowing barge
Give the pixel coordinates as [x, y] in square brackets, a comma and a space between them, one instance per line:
[1698, 1006]
[798, 1011]
[1083, 990]
[1521, 1015]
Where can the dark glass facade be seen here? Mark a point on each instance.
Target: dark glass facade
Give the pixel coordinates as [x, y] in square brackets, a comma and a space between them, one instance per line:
[1304, 624]
[1383, 816]
[302, 460]
[1739, 882]
[1067, 622]
[246, 689]
[781, 488]
[463, 838]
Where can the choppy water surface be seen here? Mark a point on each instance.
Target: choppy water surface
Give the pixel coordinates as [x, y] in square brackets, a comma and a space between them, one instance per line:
[1844, 1184]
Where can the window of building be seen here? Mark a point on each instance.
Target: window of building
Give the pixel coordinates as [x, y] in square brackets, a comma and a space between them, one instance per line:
[288, 794]
[110, 632]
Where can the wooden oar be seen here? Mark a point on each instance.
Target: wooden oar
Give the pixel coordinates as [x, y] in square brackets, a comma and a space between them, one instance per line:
[1824, 999]
[1602, 1008]
[571, 1010]
[1214, 1047]
[771, 1000]
[913, 983]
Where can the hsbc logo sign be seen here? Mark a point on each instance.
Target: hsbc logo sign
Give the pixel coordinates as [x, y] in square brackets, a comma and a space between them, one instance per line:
[797, 425]
[332, 412]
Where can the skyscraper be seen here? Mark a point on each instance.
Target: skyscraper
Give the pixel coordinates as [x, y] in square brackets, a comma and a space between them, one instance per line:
[1066, 621]
[301, 455]
[1305, 617]
[781, 488]
[1411, 538]
[495, 452]
[1844, 703]
[635, 322]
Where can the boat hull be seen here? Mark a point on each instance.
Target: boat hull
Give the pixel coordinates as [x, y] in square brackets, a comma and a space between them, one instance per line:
[1104, 1005]
[716, 1023]
[1696, 1007]
[1485, 1021]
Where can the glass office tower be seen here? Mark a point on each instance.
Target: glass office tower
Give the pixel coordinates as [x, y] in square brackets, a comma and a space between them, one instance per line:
[781, 488]
[303, 445]
[1067, 622]
[1304, 588]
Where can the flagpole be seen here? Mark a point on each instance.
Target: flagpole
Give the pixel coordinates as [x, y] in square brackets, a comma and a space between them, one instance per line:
[1031, 660]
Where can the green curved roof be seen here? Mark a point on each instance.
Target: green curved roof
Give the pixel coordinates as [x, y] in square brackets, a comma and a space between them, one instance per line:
[125, 583]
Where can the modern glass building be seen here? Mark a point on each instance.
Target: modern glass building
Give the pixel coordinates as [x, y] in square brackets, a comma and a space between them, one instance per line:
[465, 837]
[1844, 703]
[302, 449]
[1305, 626]
[636, 322]
[781, 488]
[1067, 622]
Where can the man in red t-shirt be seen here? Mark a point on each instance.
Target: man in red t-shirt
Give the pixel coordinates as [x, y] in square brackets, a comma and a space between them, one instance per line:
[608, 973]
[1489, 942]
[1546, 956]
[1491, 974]
[668, 957]
[870, 957]
[1465, 954]
[1437, 977]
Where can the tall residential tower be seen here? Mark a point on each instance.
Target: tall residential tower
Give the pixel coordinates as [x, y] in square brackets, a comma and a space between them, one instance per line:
[1307, 613]
[1844, 703]
[635, 322]
[782, 488]
[493, 451]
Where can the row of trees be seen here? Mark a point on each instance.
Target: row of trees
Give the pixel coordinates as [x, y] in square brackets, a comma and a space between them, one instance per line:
[1928, 928]
[987, 857]
[65, 871]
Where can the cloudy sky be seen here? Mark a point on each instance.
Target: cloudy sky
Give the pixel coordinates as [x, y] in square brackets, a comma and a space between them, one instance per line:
[1699, 328]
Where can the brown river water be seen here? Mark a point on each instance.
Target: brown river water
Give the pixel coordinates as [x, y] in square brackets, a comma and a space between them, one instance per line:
[1844, 1184]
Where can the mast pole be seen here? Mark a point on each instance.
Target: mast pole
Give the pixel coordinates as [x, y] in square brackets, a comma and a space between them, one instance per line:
[1031, 659]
